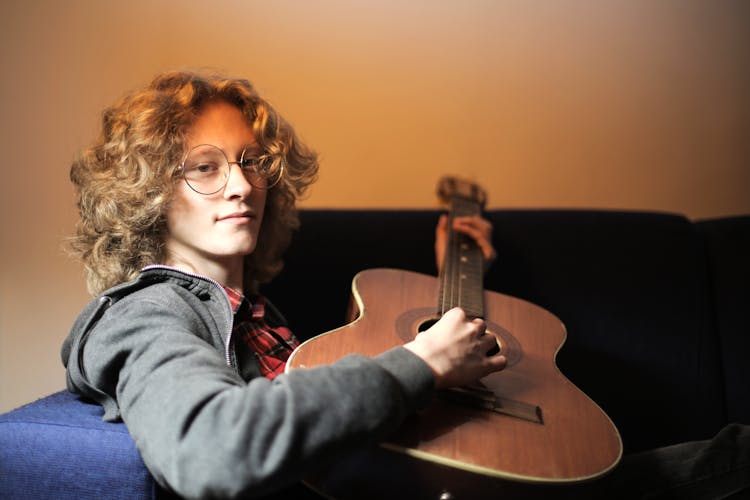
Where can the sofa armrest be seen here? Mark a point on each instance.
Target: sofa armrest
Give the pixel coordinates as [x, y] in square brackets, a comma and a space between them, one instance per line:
[59, 447]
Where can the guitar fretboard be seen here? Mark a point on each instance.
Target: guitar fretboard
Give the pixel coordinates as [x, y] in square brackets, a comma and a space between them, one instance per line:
[461, 280]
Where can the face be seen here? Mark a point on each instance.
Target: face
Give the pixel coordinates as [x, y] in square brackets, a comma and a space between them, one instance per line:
[211, 234]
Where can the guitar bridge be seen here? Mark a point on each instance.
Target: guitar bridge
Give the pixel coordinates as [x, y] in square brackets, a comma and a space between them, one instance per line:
[477, 397]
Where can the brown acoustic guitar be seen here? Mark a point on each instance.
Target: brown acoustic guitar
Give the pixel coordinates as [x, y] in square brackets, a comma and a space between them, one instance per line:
[527, 423]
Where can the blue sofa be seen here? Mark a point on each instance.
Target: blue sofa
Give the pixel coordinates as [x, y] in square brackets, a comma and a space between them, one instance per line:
[656, 308]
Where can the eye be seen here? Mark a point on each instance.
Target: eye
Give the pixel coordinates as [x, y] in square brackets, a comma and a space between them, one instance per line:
[249, 163]
[202, 169]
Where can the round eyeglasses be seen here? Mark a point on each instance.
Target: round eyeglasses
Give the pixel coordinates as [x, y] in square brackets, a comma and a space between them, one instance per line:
[206, 169]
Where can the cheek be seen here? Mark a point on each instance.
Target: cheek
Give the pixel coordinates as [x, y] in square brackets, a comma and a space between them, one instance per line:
[181, 213]
[259, 202]
[175, 210]
[262, 203]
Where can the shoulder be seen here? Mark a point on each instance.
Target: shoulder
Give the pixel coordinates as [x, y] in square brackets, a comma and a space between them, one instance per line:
[136, 327]
[154, 303]
[164, 300]
[156, 280]
[170, 288]
[136, 298]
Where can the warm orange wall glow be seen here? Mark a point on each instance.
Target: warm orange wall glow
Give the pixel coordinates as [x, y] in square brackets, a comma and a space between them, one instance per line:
[584, 103]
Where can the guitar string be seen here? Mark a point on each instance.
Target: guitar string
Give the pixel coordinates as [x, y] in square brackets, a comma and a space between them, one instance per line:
[446, 277]
[449, 286]
[452, 260]
[453, 285]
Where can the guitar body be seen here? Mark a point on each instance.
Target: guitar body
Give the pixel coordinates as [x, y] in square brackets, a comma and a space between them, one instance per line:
[546, 430]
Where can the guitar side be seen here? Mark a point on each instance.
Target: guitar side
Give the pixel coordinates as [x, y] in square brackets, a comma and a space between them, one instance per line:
[553, 434]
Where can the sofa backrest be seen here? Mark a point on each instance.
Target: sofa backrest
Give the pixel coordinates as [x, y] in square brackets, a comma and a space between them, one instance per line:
[728, 245]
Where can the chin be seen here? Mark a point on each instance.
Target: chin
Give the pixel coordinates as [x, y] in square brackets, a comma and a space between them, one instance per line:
[246, 250]
[235, 251]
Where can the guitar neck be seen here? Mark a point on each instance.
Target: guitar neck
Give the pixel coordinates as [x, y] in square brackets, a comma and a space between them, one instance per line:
[461, 279]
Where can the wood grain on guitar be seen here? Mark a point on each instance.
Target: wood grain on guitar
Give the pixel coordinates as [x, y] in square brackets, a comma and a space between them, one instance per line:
[526, 423]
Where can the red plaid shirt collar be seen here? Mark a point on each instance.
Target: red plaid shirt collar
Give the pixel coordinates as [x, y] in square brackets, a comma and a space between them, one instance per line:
[236, 299]
[272, 346]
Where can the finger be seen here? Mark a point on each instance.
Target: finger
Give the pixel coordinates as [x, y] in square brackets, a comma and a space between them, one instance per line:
[441, 238]
[480, 230]
[492, 364]
[480, 326]
[488, 343]
[457, 314]
[442, 222]
[496, 363]
[485, 245]
[474, 221]
[441, 230]
[475, 229]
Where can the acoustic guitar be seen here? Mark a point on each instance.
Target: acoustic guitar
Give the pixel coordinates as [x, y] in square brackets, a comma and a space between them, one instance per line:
[526, 423]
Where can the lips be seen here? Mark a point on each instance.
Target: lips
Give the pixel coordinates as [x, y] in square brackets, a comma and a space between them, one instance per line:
[237, 216]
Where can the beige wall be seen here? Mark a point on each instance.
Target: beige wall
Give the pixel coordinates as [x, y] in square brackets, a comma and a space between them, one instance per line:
[607, 104]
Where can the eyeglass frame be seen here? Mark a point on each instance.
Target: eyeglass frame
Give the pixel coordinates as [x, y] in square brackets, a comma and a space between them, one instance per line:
[181, 169]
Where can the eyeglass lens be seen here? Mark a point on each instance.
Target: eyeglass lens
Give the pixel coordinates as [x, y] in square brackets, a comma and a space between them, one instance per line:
[206, 169]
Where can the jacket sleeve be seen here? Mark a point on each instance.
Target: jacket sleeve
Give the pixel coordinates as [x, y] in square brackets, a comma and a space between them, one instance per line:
[204, 432]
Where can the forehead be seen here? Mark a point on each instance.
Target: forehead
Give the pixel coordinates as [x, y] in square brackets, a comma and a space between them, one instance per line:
[221, 124]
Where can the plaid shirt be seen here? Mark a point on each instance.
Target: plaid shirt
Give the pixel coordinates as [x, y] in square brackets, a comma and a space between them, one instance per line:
[272, 346]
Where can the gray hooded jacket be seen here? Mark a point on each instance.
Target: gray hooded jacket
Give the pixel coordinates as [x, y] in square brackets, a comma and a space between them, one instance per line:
[158, 353]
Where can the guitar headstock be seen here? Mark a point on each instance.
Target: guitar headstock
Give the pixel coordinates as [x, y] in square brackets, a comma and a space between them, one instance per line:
[449, 187]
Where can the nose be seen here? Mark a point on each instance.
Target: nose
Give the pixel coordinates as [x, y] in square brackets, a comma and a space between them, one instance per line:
[237, 185]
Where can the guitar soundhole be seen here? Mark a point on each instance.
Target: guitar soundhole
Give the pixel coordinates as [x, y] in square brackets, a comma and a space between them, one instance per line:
[413, 321]
[498, 347]
[426, 324]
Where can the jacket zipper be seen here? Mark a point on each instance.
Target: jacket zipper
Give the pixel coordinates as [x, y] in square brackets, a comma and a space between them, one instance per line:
[227, 343]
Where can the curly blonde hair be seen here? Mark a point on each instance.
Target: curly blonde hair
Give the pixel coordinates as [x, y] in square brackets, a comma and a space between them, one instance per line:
[124, 182]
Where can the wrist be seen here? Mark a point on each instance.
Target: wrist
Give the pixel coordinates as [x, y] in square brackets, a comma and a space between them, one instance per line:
[421, 350]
